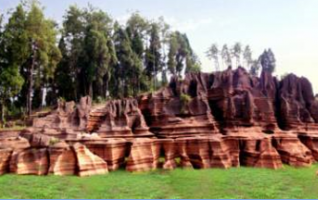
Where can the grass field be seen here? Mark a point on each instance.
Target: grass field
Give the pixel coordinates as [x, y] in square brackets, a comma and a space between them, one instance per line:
[241, 182]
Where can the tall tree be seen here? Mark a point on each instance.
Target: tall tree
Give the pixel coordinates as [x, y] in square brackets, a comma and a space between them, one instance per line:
[69, 75]
[153, 55]
[13, 54]
[164, 30]
[173, 49]
[213, 54]
[265, 61]
[247, 55]
[137, 28]
[255, 66]
[44, 54]
[97, 57]
[226, 56]
[272, 61]
[181, 57]
[236, 51]
[128, 65]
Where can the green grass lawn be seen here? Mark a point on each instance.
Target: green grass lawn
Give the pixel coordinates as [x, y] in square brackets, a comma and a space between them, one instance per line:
[241, 182]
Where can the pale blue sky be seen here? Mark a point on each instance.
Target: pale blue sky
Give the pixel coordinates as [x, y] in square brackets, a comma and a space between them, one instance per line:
[289, 27]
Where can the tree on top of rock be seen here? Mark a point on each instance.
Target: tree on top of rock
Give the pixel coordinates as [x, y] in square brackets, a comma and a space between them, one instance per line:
[247, 54]
[153, 55]
[226, 56]
[213, 54]
[236, 51]
[268, 61]
[181, 55]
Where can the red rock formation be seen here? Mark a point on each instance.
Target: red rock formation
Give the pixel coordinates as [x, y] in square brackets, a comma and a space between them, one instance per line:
[291, 150]
[88, 163]
[119, 119]
[221, 153]
[311, 142]
[298, 109]
[56, 157]
[66, 121]
[181, 109]
[63, 161]
[30, 161]
[238, 99]
[225, 119]
[4, 160]
[141, 155]
[259, 152]
[167, 148]
[113, 151]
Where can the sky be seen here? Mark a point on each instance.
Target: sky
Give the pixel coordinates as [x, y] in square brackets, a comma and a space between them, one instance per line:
[288, 27]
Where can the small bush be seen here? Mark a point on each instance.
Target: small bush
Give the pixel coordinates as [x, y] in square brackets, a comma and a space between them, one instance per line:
[54, 140]
[185, 100]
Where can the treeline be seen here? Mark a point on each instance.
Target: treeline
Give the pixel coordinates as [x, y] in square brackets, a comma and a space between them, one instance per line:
[88, 54]
[241, 56]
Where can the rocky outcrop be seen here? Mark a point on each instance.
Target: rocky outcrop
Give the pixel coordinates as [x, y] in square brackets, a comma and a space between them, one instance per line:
[4, 160]
[259, 152]
[62, 159]
[113, 151]
[119, 119]
[30, 161]
[66, 121]
[238, 99]
[181, 109]
[298, 109]
[219, 120]
[311, 142]
[141, 155]
[292, 151]
[88, 163]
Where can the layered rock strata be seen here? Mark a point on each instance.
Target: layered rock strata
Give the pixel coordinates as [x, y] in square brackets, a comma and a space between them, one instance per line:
[219, 120]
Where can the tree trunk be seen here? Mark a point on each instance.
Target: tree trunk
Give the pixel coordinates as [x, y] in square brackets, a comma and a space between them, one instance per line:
[30, 79]
[90, 90]
[2, 114]
[106, 89]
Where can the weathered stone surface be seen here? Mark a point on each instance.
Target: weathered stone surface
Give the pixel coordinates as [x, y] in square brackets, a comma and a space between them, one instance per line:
[259, 152]
[298, 109]
[291, 150]
[30, 161]
[56, 157]
[141, 155]
[113, 151]
[4, 160]
[63, 162]
[223, 119]
[5, 134]
[119, 119]
[39, 140]
[166, 148]
[181, 109]
[220, 153]
[87, 163]
[66, 121]
[15, 143]
[311, 142]
[238, 99]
